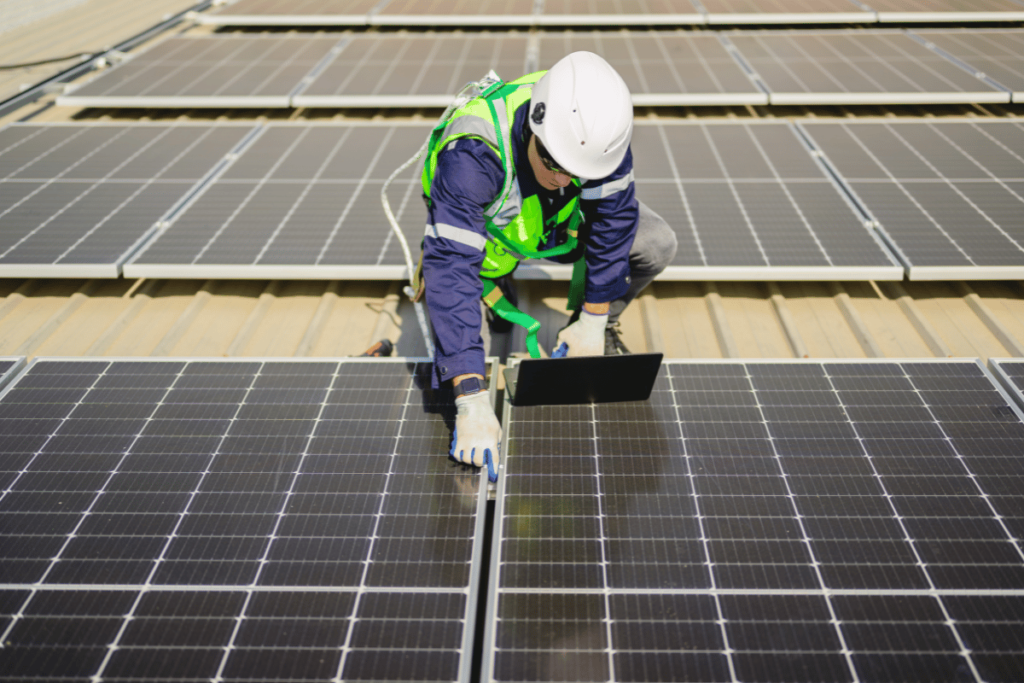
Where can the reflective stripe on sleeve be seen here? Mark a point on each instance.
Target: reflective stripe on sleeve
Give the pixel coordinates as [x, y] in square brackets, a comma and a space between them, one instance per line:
[460, 235]
[608, 189]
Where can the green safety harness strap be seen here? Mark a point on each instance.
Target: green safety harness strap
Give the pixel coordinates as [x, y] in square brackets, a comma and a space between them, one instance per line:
[506, 310]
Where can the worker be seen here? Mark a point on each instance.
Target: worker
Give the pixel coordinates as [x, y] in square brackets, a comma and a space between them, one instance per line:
[537, 168]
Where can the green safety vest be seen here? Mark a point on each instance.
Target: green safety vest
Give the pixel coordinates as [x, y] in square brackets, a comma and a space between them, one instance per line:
[515, 225]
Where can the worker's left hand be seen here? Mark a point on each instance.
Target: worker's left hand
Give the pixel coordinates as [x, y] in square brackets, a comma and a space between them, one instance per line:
[585, 337]
[477, 438]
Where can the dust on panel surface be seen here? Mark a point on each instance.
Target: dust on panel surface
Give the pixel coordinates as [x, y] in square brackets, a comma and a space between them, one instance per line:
[419, 64]
[218, 66]
[84, 194]
[765, 521]
[997, 54]
[748, 196]
[234, 520]
[947, 193]
[301, 195]
[853, 63]
[663, 62]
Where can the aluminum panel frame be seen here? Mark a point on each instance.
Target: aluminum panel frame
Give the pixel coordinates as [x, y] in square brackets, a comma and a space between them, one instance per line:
[701, 99]
[947, 17]
[449, 20]
[184, 102]
[284, 20]
[263, 272]
[14, 371]
[695, 19]
[993, 97]
[762, 18]
[965, 272]
[1006, 382]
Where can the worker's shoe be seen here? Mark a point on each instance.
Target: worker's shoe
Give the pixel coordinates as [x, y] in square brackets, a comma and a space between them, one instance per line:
[613, 345]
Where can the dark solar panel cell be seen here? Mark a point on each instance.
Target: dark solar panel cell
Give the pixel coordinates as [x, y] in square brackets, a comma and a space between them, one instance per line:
[226, 503]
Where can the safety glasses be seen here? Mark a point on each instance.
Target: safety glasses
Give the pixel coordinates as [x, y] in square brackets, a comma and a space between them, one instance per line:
[549, 163]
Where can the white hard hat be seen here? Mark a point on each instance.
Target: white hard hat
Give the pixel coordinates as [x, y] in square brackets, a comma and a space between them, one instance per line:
[582, 111]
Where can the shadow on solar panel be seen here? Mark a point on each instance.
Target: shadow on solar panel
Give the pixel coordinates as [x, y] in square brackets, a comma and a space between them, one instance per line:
[234, 519]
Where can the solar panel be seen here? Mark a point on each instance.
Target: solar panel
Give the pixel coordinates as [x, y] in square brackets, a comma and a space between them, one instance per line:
[301, 201]
[858, 67]
[209, 71]
[747, 201]
[786, 12]
[77, 200]
[291, 13]
[662, 67]
[222, 520]
[454, 13]
[412, 70]
[1010, 371]
[8, 368]
[905, 11]
[998, 54]
[618, 13]
[947, 195]
[767, 521]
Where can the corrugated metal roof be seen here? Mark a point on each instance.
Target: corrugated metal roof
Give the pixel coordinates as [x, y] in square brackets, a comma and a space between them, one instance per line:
[316, 318]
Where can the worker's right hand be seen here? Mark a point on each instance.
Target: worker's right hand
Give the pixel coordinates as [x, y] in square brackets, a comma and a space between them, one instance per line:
[477, 438]
[585, 337]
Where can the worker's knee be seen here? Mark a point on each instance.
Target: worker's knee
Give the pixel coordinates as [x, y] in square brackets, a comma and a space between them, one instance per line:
[655, 245]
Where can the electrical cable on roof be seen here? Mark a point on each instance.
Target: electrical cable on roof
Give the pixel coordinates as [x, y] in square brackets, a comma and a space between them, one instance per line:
[80, 56]
[468, 92]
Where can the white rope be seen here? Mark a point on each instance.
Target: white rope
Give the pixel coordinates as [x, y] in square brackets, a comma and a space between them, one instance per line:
[468, 92]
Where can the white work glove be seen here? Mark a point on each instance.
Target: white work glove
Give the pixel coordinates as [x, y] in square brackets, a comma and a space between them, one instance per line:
[477, 438]
[585, 337]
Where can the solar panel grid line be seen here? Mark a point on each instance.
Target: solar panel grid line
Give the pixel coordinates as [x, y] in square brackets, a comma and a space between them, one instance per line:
[381, 659]
[815, 565]
[871, 57]
[914, 201]
[965, 65]
[142, 188]
[735, 53]
[3, 494]
[348, 207]
[736, 197]
[327, 59]
[115, 643]
[997, 58]
[207, 71]
[975, 233]
[682, 195]
[891, 647]
[960, 193]
[704, 539]
[964, 651]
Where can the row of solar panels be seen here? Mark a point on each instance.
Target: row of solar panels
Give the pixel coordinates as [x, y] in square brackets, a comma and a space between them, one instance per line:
[247, 519]
[762, 200]
[605, 12]
[660, 67]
